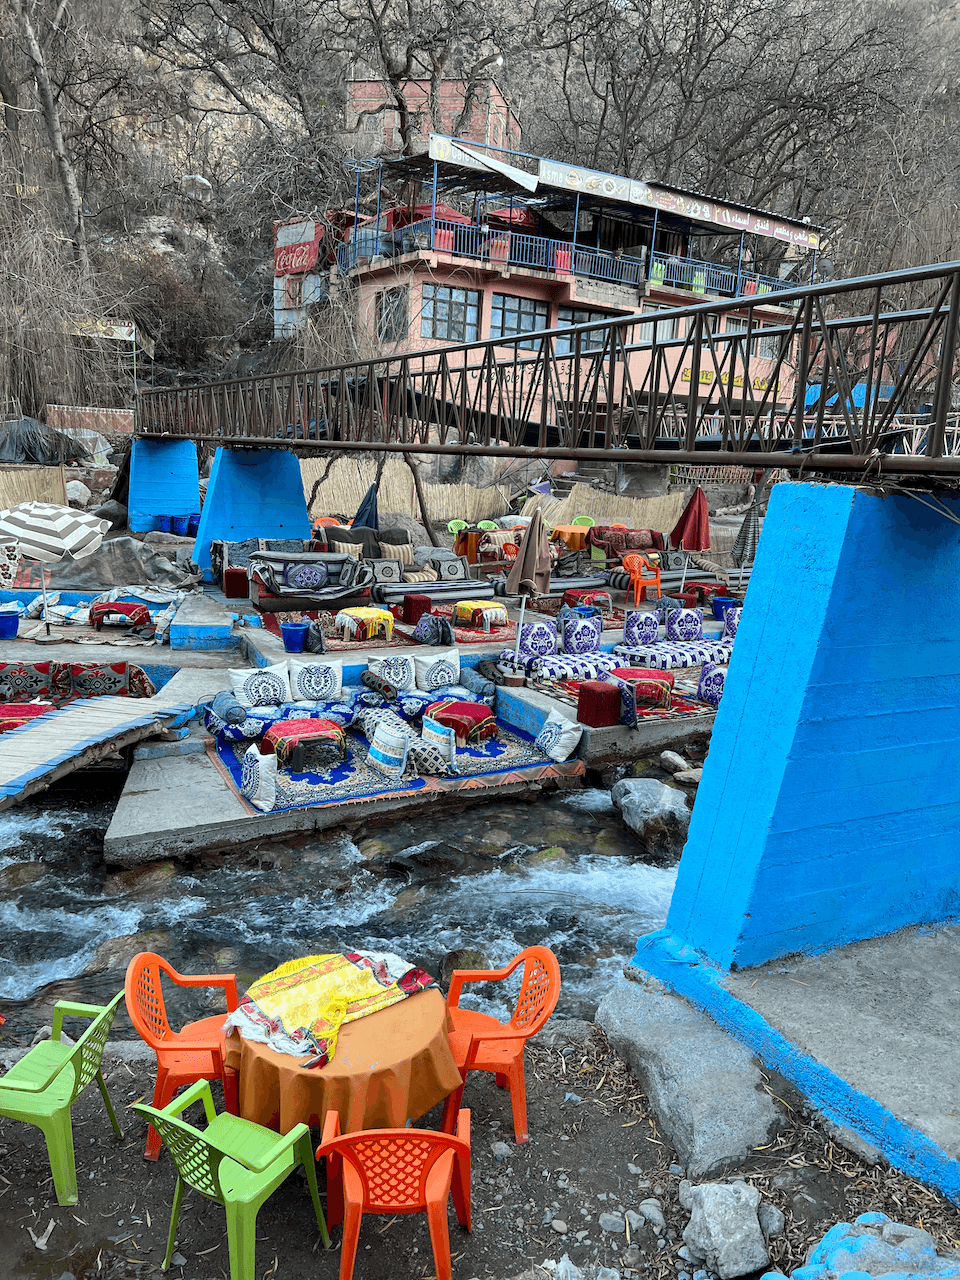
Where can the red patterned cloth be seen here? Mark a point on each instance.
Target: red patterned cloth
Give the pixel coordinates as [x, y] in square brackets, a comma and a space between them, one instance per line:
[15, 714]
[289, 739]
[643, 673]
[599, 599]
[472, 722]
[133, 615]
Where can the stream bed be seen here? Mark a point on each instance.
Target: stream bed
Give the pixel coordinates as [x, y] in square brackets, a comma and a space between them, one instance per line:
[562, 871]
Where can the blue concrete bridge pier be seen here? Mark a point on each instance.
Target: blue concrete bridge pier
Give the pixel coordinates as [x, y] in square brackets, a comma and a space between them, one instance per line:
[829, 809]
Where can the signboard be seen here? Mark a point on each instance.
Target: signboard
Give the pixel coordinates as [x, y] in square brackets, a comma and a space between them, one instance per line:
[296, 246]
[726, 217]
[91, 327]
[446, 149]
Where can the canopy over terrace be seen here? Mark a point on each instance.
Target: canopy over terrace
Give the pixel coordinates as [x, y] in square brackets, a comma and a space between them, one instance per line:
[646, 228]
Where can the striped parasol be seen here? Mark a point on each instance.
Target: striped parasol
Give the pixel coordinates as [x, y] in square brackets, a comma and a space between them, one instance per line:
[745, 547]
[50, 533]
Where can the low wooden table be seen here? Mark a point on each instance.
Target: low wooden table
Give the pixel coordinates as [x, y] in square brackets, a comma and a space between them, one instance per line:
[388, 1068]
[289, 739]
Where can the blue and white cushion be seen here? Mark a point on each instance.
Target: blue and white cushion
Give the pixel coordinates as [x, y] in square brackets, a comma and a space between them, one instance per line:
[258, 779]
[665, 655]
[261, 686]
[572, 666]
[710, 688]
[388, 750]
[640, 628]
[313, 681]
[685, 625]
[443, 738]
[435, 670]
[427, 758]
[398, 671]
[538, 640]
[580, 634]
[559, 736]
[730, 623]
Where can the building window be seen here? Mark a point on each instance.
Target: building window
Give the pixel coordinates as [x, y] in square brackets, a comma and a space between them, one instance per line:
[392, 315]
[666, 329]
[593, 340]
[510, 316]
[765, 348]
[450, 314]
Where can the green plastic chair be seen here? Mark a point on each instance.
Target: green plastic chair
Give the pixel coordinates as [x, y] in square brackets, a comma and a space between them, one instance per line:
[235, 1162]
[42, 1087]
[487, 524]
[454, 526]
[586, 522]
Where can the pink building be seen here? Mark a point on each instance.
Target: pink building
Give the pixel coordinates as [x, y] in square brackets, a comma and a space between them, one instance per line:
[491, 119]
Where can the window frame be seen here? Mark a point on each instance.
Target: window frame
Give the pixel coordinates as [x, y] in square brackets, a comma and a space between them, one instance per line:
[564, 346]
[540, 305]
[393, 314]
[438, 327]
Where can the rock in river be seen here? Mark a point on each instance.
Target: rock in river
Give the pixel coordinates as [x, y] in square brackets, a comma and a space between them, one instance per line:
[656, 813]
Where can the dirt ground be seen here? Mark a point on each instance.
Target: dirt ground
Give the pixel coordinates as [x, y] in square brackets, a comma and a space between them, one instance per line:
[589, 1122]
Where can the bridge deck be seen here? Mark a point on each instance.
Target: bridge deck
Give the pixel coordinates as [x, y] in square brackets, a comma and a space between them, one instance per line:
[55, 744]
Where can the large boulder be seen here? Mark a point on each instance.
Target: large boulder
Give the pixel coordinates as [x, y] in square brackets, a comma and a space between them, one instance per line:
[113, 511]
[396, 520]
[78, 495]
[723, 1232]
[657, 814]
[704, 1087]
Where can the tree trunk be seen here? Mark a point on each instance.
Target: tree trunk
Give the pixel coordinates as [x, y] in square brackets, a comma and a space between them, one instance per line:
[51, 118]
[418, 485]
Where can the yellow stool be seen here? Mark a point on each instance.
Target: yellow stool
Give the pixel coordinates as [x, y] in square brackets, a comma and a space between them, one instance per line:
[480, 614]
[364, 623]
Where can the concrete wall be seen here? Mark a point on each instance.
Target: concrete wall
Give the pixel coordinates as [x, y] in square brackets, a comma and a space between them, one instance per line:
[164, 481]
[252, 493]
[830, 799]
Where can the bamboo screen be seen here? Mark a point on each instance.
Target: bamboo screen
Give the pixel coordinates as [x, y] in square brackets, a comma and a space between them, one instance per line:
[659, 513]
[349, 479]
[32, 484]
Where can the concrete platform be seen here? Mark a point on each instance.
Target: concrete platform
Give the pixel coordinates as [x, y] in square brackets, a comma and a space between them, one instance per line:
[867, 1032]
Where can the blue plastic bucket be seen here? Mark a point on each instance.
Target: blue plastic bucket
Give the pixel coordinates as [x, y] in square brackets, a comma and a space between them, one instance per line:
[193, 524]
[294, 635]
[180, 525]
[163, 523]
[8, 625]
[721, 604]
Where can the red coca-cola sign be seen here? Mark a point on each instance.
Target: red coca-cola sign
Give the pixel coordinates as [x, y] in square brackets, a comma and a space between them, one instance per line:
[296, 247]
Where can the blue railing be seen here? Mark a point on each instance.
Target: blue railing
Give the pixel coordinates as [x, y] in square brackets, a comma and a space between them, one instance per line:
[537, 253]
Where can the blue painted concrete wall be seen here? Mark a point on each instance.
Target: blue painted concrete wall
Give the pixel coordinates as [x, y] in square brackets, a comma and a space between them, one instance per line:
[252, 493]
[164, 481]
[830, 799]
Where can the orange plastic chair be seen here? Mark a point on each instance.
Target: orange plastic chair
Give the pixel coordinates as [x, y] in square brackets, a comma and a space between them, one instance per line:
[635, 562]
[510, 551]
[195, 1052]
[481, 1043]
[396, 1171]
[326, 522]
[618, 526]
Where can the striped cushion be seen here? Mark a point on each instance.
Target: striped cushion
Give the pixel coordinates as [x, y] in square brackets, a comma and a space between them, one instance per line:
[402, 551]
[388, 750]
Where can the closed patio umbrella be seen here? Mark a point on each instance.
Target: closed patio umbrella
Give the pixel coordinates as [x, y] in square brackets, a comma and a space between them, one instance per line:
[692, 530]
[745, 546]
[367, 516]
[50, 533]
[531, 569]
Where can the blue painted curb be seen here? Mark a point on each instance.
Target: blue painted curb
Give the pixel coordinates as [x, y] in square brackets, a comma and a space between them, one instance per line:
[684, 971]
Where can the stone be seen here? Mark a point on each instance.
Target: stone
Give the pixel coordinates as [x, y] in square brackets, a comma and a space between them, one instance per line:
[113, 511]
[631, 1257]
[683, 1194]
[653, 1214]
[673, 763]
[703, 1086]
[153, 875]
[689, 777]
[607, 1273]
[19, 874]
[657, 814]
[116, 953]
[178, 1260]
[724, 1231]
[554, 854]
[772, 1220]
[559, 1226]
[635, 1220]
[634, 1169]
[461, 958]
[612, 1222]
[78, 495]
[561, 1031]
[500, 1150]
[850, 1140]
[415, 531]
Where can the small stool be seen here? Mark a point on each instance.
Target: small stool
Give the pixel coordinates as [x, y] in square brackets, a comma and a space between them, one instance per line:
[472, 722]
[364, 623]
[598, 704]
[128, 614]
[289, 739]
[236, 584]
[643, 673]
[414, 607]
[481, 614]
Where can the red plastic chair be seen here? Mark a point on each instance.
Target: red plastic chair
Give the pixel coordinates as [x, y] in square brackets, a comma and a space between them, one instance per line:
[195, 1052]
[396, 1171]
[481, 1043]
[326, 522]
[510, 551]
[635, 562]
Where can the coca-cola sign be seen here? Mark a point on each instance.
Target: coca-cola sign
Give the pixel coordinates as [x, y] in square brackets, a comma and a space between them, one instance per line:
[296, 247]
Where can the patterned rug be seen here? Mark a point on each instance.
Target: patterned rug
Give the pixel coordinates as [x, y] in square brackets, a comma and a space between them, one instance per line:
[335, 644]
[354, 779]
[568, 691]
[550, 607]
[468, 635]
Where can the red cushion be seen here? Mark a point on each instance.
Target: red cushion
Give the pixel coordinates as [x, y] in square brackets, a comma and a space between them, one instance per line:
[598, 704]
[643, 673]
[414, 607]
[471, 721]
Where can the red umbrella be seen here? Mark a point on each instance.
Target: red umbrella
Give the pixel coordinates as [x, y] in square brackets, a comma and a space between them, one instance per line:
[692, 531]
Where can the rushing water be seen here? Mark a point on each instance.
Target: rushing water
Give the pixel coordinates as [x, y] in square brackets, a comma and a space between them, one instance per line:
[562, 871]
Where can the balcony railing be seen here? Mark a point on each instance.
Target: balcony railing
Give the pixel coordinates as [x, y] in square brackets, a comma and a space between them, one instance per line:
[501, 247]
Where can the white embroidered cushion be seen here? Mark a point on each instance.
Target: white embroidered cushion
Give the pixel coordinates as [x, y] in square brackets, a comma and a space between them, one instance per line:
[261, 686]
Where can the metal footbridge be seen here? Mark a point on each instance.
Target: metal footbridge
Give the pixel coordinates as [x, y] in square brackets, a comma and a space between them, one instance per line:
[849, 377]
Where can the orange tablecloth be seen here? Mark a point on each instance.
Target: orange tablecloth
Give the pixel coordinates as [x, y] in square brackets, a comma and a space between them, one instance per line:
[388, 1068]
[468, 544]
[574, 535]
